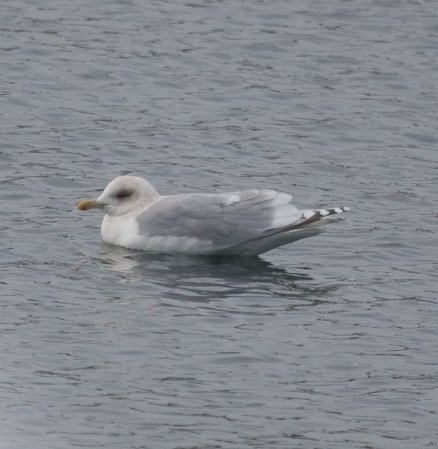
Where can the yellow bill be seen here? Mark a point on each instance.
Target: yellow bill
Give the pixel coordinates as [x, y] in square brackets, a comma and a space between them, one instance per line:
[89, 204]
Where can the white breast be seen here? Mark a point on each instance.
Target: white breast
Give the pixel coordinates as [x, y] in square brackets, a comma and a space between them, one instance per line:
[120, 231]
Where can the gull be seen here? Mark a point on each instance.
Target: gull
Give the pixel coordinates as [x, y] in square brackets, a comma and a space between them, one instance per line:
[241, 223]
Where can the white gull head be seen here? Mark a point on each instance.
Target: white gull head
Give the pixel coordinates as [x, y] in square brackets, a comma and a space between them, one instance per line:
[125, 195]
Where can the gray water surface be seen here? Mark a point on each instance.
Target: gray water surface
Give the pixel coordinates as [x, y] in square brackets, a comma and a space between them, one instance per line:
[328, 343]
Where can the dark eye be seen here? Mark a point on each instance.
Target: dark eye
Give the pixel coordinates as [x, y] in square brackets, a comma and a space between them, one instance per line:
[123, 194]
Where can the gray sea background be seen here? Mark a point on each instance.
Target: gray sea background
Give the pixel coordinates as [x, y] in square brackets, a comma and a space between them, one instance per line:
[329, 343]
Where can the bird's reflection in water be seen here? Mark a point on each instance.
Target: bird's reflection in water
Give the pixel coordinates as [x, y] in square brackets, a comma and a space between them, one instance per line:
[201, 279]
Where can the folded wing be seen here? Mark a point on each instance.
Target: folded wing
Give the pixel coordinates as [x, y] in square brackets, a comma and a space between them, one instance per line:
[225, 223]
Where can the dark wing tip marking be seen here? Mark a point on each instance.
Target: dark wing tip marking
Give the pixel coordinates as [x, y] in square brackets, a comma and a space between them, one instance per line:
[319, 214]
[304, 220]
[331, 211]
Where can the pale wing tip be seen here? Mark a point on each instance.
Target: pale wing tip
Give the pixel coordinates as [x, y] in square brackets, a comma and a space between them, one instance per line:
[335, 210]
[331, 211]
